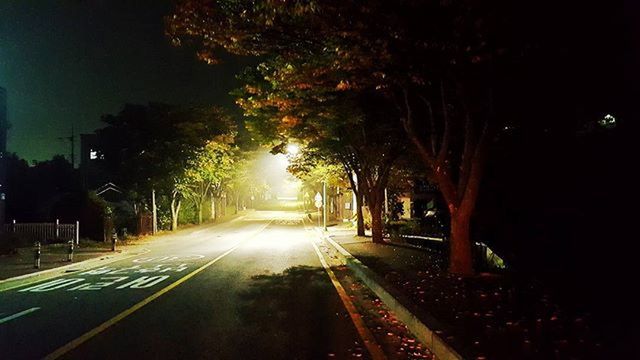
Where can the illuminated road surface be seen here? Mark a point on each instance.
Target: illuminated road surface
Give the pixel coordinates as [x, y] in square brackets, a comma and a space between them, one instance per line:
[249, 289]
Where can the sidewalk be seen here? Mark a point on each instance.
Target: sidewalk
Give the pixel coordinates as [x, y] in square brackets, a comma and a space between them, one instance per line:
[52, 256]
[485, 317]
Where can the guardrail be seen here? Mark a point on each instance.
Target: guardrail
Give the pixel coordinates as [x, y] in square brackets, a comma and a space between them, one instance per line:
[45, 231]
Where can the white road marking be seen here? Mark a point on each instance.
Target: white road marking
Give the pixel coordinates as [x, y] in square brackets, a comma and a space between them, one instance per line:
[168, 258]
[137, 269]
[100, 285]
[52, 285]
[17, 315]
[143, 282]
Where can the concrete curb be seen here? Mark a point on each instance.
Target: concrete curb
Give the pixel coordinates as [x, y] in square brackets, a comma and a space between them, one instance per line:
[31, 278]
[422, 332]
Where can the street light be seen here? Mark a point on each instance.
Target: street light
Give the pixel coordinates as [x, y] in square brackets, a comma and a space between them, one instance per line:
[324, 204]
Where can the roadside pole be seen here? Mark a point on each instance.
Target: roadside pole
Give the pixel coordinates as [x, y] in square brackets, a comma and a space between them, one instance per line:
[154, 226]
[386, 202]
[318, 202]
[324, 205]
[37, 252]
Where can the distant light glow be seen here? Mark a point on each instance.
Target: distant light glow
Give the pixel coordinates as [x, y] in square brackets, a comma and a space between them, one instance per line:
[281, 161]
[608, 121]
[273, 169]
[293, 149]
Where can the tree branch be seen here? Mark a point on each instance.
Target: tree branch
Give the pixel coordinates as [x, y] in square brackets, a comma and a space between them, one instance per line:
[468, 153]
[433, 131]
[446, 134]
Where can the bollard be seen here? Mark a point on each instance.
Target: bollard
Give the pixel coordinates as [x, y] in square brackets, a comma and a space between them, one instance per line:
[70, 251]
[36, 254]
[114, 240]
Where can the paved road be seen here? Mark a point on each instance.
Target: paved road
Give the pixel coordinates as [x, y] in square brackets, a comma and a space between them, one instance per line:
[250, 289]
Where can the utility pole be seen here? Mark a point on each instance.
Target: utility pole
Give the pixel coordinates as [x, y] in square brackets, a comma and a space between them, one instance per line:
[3, 166]
[72, 141]
[154, 222]
[386, 202]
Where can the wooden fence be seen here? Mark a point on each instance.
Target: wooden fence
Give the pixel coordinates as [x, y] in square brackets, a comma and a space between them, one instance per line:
[50, 232]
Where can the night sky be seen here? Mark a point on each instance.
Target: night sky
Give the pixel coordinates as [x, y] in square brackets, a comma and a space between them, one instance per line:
[69, 62]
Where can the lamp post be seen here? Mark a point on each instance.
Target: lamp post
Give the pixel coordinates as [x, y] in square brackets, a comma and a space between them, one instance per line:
[318, 202]
[154, 213]
[324, 204]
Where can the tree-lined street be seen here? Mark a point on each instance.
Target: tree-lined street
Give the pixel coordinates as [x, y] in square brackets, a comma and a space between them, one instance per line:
[295, 179]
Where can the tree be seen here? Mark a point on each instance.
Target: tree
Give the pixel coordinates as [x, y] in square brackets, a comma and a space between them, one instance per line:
[244, 179]
[314, 170]
[147, 147]
[207, 173]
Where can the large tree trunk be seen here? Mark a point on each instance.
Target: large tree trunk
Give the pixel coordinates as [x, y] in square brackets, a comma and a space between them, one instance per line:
[224, 206]
[175, 212]
[460, 256]
[199, 205]
[460, 192]
[376, 222]
[359, 214]
[213, 207]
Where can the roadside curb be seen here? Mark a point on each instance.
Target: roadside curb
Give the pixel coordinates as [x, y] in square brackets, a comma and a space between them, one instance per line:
[408, 246]
[421, 331]
[27, 279]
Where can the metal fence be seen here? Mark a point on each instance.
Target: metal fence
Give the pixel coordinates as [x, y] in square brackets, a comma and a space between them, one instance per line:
[45, 231]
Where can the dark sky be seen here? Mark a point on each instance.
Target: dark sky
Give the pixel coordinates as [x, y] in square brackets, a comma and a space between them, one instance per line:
[69, 62]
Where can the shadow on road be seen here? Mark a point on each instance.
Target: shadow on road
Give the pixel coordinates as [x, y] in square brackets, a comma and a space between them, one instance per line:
[298, 314]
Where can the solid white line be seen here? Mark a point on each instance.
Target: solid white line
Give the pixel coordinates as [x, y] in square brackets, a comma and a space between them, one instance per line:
[17, 315]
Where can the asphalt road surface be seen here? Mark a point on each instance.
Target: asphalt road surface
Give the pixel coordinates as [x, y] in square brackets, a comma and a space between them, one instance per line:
[252, 288]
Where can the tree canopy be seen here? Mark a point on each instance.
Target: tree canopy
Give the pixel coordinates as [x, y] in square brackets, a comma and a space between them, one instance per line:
[177, 151]
[432, 67]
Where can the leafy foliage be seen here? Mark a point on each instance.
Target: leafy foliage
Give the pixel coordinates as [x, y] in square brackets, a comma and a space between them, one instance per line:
[208, 171]
[165, 148]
